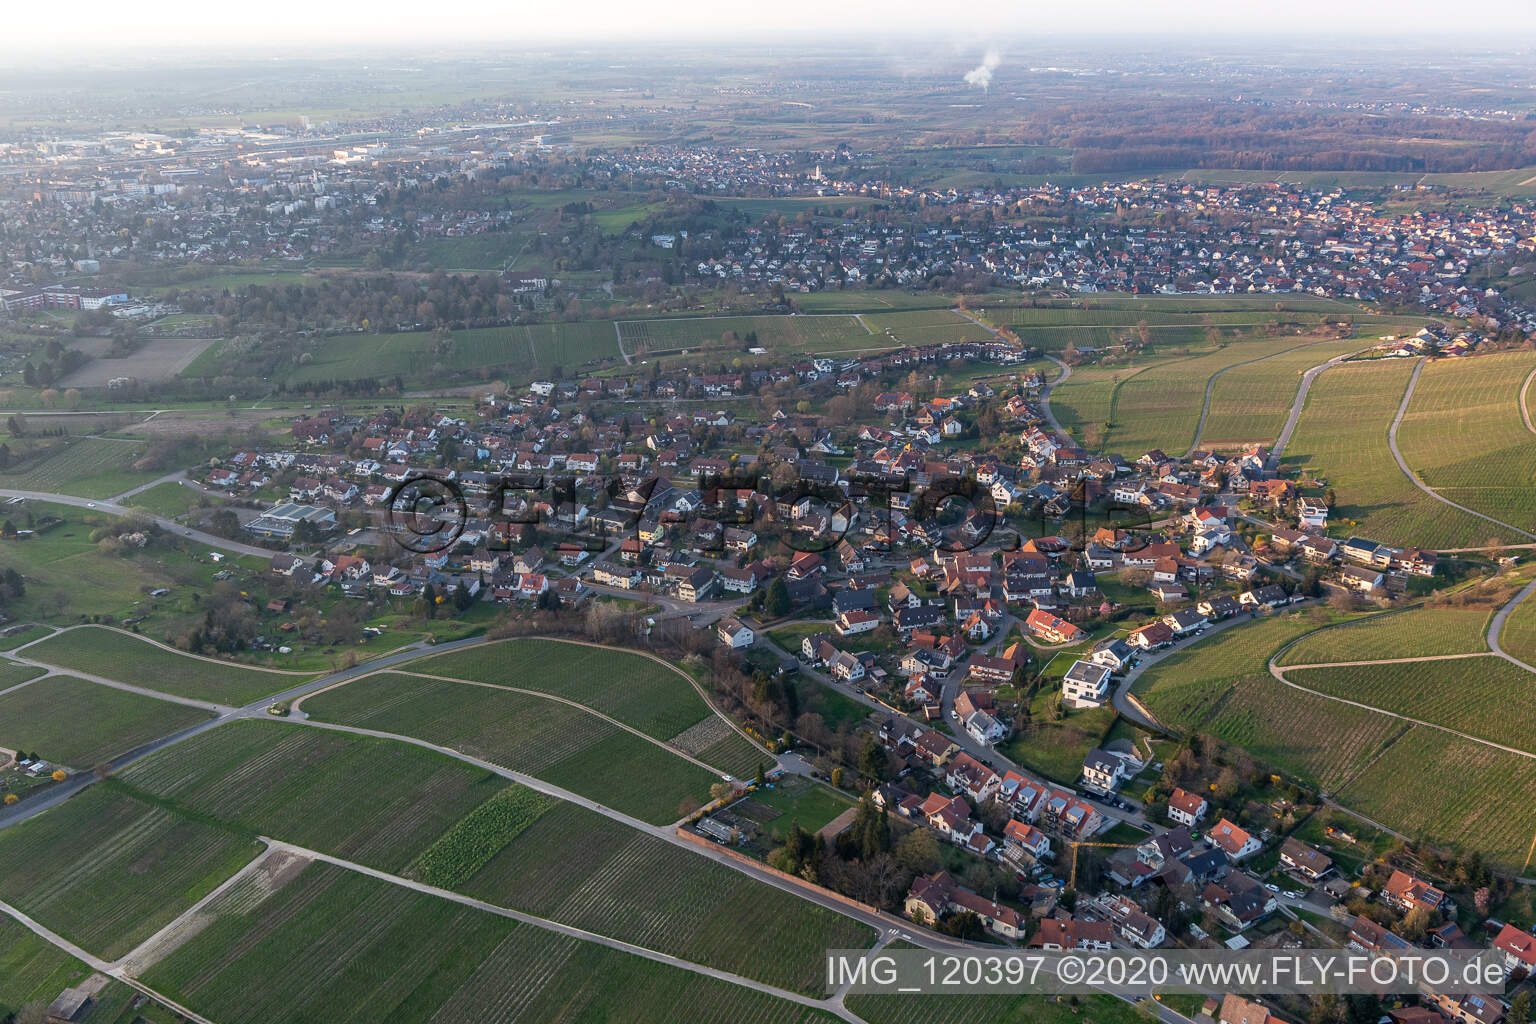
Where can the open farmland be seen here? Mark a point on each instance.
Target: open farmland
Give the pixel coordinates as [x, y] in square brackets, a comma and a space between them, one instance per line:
[579, 868]
[130, 659]
[1219, 686]
[550, 740]
[1464, 436]
[1249, 404]
[1485, 697]
[31, 970]
[1342, 436]
[1160, 407]
[653, 697]
[1518, 637]
[89, 467]
[73, 722]
[330, 945]
[34, 973]
[1398, 634]
[1454, 791]
[107, 871]
[156, 359]
[832, 332]
[370, 800]
[969, 1009]
[928, 327]
[513, 349]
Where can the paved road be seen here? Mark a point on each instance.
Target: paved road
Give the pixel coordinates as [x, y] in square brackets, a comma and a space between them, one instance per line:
[1525, 409]
[1411, 475]
[1496, 626]
[170, 526]
[1297, 405]
[1210, 387]
[1045, 400]
[1145, 660]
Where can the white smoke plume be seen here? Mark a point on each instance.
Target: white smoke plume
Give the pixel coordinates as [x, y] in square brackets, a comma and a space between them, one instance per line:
[981, 75]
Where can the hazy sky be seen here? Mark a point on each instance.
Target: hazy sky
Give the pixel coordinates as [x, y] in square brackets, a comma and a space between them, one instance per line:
[279, 25]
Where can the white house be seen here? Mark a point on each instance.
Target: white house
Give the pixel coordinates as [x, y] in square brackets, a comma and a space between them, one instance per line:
[1085, 685]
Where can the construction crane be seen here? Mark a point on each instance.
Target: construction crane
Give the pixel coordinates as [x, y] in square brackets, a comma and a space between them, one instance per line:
[1072, 879]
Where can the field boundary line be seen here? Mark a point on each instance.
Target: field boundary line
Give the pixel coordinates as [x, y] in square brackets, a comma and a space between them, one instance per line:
[168, 648]
[1279, 675]
[142, 691]
[644, 654]
[1414, 477]
[122, 962]
[569, 703]
[534, 921]
[1496, 625]
[1388, 661]
[1210, 387]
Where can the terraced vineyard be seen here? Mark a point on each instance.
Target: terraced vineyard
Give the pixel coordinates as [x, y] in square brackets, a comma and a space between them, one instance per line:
[90, 467]
[1342, 436]
[1518, 637]
[375, 801]
[1448, 790]
[1249, 404]
[637, 690]
[512, 349]
[1485, 697]
[579, 868]
[552, 741]
[1160, 408]
[332, 945]
[1464, 436]
[1323, 742]
[832, 332]
[107, 871]
[951, 1009]
[928, 327]
[129, 659]
[1220, 686]
[1414, 632]
[72, 722]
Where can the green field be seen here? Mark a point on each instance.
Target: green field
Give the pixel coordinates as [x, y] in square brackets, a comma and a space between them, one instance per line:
[34, 973]
[72, 722]
[370, 800]
[1518, 637]
[334, 946]
[820, 333]
[1249, 404]
[88, 467]
[12, 673]
[928, 327]
[169, 499]
[1220, 686]
[1342, 436]
[1485, 697]
[1160, 407]
[969, 1009]
[792, 798]
[525, 733]
[579, 868]
[514, 349]
[107, 871]
[1452, 791]
[1464, 436]
[633, 688]
[1410, 633]
[129, 659]
[31, 970]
